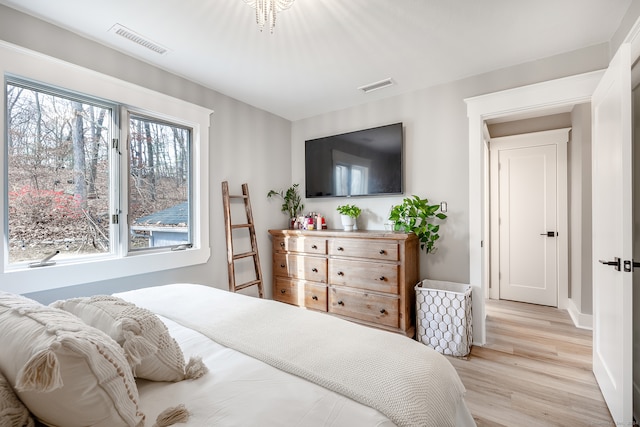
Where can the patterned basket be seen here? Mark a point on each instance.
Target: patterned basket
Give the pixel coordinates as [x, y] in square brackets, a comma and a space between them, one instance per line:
[443, 316]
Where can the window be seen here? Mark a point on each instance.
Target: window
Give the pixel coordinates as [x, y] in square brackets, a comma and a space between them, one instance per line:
[159, 177]
[58, 173]
[100, 250]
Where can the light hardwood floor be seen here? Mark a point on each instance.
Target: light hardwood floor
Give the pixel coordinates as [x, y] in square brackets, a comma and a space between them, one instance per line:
[535, 370]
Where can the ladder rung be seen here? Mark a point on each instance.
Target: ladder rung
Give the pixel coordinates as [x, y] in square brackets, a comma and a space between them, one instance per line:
[244, 255]
[237, 196]
[241, 225]
[246, 285]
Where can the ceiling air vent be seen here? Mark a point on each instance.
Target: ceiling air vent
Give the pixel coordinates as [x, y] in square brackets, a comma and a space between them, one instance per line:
[377, 85]
[123, 31]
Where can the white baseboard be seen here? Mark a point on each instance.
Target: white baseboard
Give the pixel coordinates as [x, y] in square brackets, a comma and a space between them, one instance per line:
[580, 320]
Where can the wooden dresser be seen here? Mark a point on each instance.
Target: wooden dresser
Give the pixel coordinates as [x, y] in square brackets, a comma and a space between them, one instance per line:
[364, 276]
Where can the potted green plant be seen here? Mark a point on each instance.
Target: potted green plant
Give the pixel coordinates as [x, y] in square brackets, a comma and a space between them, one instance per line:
[415, 215]
[291, 202]
[348, 216]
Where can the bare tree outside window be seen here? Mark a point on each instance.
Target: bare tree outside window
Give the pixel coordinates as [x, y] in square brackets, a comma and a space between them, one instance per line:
[59, 149]
[159, 164]
[57, 175]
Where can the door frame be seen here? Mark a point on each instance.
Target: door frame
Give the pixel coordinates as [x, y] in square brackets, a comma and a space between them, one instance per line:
[559, 138]
[528, 101]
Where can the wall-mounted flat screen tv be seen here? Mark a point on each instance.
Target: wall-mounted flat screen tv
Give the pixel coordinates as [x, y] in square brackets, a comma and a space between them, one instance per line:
[367, 162]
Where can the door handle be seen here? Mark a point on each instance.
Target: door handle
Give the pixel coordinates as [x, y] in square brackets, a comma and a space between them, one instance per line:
[550, 234]
[615, 263]
[630, 265]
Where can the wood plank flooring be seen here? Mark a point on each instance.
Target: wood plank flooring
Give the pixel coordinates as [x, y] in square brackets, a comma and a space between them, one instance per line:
[535, 370]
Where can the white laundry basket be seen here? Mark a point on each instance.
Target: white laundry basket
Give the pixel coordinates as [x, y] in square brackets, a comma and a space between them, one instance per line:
[444, 316]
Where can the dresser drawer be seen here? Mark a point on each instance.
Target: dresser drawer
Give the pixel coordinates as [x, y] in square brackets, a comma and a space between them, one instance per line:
[365, 306]
[285, 290]
[301, 293]
[300, 267]
[373, 276]
[315, 296]
[309, 245]
[373, 249]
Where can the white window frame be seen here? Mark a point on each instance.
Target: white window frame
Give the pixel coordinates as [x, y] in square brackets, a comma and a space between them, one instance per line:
[31, 65]
[125, 117]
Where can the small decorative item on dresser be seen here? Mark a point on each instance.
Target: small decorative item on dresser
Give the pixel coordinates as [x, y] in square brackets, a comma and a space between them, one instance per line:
[348, 216]
[292, 203]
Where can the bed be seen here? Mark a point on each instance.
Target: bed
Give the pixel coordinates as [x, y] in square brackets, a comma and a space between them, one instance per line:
[271, 364]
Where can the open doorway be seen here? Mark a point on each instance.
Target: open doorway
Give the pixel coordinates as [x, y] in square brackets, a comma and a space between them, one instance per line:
[538, 100]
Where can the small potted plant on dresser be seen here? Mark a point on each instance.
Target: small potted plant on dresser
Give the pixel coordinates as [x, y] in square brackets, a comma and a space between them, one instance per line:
[416, 215]
[291, 203]
[348, 216]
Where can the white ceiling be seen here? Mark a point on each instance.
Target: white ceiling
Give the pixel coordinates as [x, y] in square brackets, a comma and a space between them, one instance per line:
[322, 50]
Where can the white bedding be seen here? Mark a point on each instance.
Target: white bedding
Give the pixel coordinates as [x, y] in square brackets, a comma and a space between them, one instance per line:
[240, 390]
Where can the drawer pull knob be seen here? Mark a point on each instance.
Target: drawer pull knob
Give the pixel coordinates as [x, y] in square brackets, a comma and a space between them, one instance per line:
[315, 270]
[314, 247]
[382, 252]
[340, 273]
[340, 248]
[340, 303]
[383, 311]
[283, 291]
[282, 265]
[315, 298]
[282, 244]
[382, 278]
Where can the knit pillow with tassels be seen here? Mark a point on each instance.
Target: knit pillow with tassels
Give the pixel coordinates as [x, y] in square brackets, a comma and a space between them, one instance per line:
[66, 372]
[151, 352]
[13, 413]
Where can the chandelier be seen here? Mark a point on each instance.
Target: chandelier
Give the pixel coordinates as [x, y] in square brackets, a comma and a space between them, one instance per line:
[266, 11]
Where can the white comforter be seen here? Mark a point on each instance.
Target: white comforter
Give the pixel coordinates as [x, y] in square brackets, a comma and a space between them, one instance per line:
[243, 391]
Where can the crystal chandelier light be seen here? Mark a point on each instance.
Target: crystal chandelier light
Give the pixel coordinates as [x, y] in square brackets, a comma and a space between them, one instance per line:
[266, 11]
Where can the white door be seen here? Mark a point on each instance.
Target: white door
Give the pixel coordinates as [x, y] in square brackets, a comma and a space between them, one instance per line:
[525, 216]
[612, 236]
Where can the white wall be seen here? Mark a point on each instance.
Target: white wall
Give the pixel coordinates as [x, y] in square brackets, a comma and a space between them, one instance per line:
[580, 278]
[535, 124]
[436, 148]
[246, 145]
[250, 145]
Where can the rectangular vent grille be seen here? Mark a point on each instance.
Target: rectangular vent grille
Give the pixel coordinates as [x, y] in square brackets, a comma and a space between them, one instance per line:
[138, 39]
[377, 85]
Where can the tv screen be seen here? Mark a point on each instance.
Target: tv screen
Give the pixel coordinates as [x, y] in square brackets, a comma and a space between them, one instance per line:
[362, 163]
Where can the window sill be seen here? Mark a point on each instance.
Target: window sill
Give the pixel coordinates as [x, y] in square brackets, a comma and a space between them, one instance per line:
[29, 280]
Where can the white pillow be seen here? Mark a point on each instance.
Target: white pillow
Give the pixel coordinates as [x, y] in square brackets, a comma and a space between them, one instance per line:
[66, 372]
[13, 413]
[151, 352]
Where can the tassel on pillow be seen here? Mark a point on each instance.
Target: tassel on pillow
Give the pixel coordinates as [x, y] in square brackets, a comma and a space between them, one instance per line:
[171, 416]
[195, 368]
[40, 373]
[135, 346]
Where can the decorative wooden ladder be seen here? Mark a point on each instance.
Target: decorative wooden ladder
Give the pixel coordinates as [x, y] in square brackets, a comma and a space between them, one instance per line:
[229, 228]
